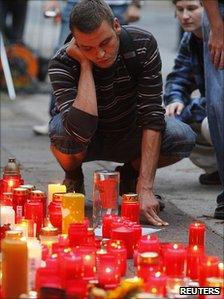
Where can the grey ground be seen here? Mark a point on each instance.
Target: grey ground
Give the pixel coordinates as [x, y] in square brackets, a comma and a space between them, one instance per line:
[186, 199]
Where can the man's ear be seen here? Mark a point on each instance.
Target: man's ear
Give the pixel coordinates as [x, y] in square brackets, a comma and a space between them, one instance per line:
[117, 26]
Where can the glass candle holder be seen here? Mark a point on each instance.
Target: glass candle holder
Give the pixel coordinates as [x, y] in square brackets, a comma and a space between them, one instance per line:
[148, 263]
[130, 207]
[48, 236]
[105, 194]
[197, 234]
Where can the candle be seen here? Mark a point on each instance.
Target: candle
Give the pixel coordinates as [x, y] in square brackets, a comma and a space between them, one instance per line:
[34, 260]
[107, 270]
[130, 207]
[126, 235]
[77, 288]
[156, 284]
[117, 248]
[106, 227]
[48, 235]
[7, 215]
[55, 188]
[88, 255]
[175, 260]
[148, 263]
[34, 210]
[54, 210]
[23, 225]
[208, 268]
[194, 256]
[72, 210]
[14, 265]
[39, 196]
[197, 234]
[20, 196]
[77, 234]
[47, 277]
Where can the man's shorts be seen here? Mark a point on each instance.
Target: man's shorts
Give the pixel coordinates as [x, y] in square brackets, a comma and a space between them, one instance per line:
[178, 140]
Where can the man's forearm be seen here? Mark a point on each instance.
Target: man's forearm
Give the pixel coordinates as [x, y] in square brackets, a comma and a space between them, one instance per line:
[151, 143]
[213, 12]
[86, 95]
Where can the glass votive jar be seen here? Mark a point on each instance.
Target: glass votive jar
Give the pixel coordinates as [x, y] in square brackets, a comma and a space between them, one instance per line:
[48, 235]
[130, 207]
[148, 263]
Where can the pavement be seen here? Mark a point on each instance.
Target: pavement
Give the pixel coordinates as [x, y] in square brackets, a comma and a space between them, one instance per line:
[186, 199]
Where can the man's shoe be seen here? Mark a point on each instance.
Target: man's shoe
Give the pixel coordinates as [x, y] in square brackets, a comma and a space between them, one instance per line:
[75, 184]
[210, 178]
[41, 130]
[219, 211]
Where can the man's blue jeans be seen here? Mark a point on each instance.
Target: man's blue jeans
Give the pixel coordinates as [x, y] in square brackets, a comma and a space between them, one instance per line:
[214, 82]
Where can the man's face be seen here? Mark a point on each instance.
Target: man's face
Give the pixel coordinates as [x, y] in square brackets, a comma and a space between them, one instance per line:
[100, 46]
[189, 13]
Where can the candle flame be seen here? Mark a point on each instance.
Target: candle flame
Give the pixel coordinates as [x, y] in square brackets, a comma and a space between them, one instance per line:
[88, 257]
[221, 266]
[157, 274]
[175, 246]
[154, 290]
[195, 247]
[108, 270]
[10, 183]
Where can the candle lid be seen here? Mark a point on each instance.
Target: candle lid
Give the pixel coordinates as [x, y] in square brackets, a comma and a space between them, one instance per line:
[130, 198]
[36, 194]
[72, 195]
[28, 187]
[20, 191]
[149, 258]
[58, 196]
[49, 231]
[13, 234]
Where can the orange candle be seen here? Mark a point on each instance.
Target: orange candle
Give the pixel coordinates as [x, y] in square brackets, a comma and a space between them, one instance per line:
[14, 265]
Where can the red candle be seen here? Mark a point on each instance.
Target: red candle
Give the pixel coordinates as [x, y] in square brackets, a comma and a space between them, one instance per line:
[77, 288]
[70, 266]
[77, 234]
[130, 207]
[197, 234]
[108, 192]
[47, 277]
[20, 197]
[88, 255]
[194, 256]
[34, 210]
[126, 235]
[106, 227]
[40, 196]
[146, 243]
[107, 270]
[148, 263]
[208, 268]
[175, 260]
[117, 248]
[54, 211]
[156, 284]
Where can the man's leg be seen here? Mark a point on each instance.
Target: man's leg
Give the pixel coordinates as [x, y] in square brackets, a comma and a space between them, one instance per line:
[214, 82]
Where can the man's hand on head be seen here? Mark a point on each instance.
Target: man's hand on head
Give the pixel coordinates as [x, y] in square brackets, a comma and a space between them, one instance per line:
[149, 205]
[74, 52]
[174, 109]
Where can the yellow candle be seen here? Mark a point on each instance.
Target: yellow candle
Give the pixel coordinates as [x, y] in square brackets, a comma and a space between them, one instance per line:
[72, 210]
[55, 188]
[14, 265]
[48, 235]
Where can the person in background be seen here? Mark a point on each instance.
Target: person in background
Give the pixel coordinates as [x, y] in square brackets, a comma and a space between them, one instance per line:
[213, 33]
[103, 113]
[125, 10]
[12, 19]
[186, 77]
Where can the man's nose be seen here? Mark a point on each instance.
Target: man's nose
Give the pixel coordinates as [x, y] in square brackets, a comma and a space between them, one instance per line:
[186, 14]
[100, 53]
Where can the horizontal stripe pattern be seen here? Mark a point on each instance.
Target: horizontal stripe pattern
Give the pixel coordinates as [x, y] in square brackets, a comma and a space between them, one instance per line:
[121, 102]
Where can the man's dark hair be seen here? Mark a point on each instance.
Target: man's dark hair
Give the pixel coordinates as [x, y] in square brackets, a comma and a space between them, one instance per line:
[175, 1]
[88, 15]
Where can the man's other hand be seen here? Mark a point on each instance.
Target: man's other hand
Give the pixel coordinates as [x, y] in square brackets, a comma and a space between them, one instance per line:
[74, 52]
[174, 109]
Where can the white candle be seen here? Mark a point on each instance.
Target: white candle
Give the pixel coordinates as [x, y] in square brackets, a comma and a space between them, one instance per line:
[7, 215]
[55, 188]
[34, 260]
